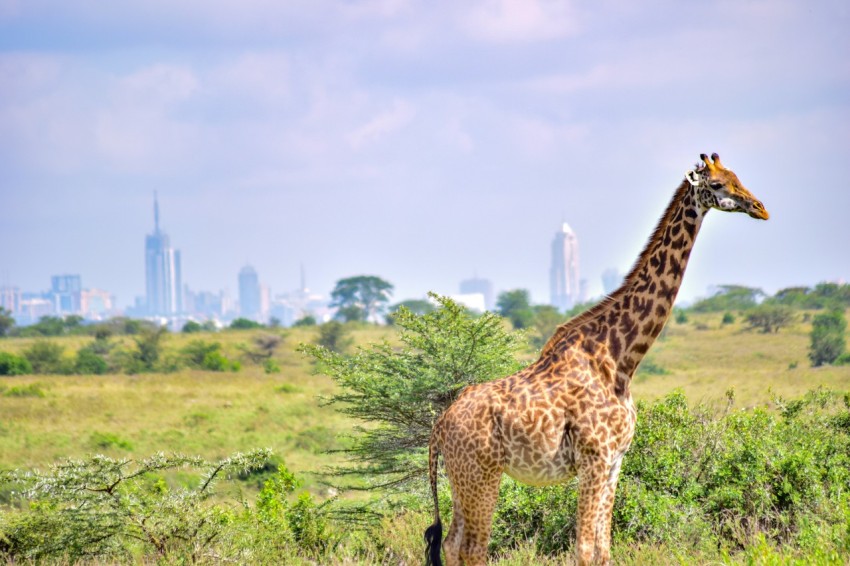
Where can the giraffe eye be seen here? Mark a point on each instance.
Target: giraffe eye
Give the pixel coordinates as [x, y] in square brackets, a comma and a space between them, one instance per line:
[716, 185]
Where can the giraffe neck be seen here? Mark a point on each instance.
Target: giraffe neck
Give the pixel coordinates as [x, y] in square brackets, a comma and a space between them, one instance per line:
[641, 306]
[632, 317]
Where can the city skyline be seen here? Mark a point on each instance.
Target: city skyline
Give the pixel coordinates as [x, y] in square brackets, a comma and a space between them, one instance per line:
[416, 141]
[564, 270]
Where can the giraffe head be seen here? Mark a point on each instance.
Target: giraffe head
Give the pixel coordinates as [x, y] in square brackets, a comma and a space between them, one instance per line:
[718, 187]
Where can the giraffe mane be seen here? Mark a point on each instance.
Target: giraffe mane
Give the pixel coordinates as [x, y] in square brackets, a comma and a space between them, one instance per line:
[603, 305]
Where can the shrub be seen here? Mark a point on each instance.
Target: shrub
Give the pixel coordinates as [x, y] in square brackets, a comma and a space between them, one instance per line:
[46, 357]
[12, 364]
[106, 510]
[90, 363]
[333, 335]
[192, 326]
[770, 318]
[199, 354]
[271, 366]
[728, 318]
[244, 324]
[306, 320]
[827, 337]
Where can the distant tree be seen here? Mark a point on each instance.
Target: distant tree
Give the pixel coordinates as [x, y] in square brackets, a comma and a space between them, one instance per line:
[680, 315]
[579, 308]
[362, 298]
[13, 364]
[770, 318]
[192, 326]
[148, 350]
[515, 305]
[7, 322]
[46, 357]
[244, 324]
[333, 335]
[827, 337]
[416, 306]
[729, 298]
[274, 322]
[264, 347]
[306, 320]
[728, 318]
[89, 362]
[546, 320]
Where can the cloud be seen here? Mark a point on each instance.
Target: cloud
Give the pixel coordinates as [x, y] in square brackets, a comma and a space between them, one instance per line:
[396, 118]
[520, 20]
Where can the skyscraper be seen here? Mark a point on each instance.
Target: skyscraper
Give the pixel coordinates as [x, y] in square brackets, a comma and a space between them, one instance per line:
[162, 272]
[65, 293]
[249, 293]
[564, 283]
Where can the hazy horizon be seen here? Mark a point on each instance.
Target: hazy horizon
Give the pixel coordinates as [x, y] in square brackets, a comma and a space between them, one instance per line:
[422, 142]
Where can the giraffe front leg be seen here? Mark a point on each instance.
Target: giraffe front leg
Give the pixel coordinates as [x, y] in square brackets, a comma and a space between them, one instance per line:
[603, 530]
[593, 477]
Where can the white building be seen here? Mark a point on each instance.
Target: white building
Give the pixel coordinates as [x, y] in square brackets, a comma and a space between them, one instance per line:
[564, 281]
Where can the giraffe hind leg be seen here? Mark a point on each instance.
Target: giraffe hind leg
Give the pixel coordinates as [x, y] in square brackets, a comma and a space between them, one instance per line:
[478, 502]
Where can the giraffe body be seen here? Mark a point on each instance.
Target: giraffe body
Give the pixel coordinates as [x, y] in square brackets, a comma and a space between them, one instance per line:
[571, 412]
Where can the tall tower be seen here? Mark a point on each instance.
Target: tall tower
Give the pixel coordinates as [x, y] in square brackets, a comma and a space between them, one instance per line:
[564, 282]
[163, 281]
[250, 303]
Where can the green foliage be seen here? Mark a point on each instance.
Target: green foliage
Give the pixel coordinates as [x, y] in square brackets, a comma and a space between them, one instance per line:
[199, 354]
[648, 366]
[416, 306]
[361, 299]
[730, 298]
[334, 336]
[7, 322]
[244, 324]
[770, 318]
[728, 318]
[31, 390]
[306, 320]
[546, 320]
[114, 509]
[515, 305]
[108, 441]
[148, 351]
[45, 357]
[680, 316]
[695, 480]
[827, 337]
[191, 326]
[823, 296]
[264, 347]
[270, 366]
[398, 392]
[13, 364]
[89, 362]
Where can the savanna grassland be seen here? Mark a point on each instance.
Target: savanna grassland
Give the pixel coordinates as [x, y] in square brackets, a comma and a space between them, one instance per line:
[47, 418]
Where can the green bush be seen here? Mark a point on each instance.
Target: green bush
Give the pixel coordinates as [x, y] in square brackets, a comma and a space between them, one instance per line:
[827, 337]
[12, 364]
[46, 357]
[90, 363]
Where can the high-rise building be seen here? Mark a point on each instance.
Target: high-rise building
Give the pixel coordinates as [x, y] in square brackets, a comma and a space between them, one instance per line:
[480, 286]
[163, 282]
[564, 282]
[65, 293]
[249, 293]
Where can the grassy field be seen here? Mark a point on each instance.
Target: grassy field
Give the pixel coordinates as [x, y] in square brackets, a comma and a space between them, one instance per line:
[215, 414]
[46, 418]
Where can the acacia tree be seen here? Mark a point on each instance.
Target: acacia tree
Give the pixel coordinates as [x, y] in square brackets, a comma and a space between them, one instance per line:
[361, 298]
[398, 392]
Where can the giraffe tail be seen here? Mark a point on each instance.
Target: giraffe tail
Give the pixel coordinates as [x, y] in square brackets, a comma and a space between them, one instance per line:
[434, 533]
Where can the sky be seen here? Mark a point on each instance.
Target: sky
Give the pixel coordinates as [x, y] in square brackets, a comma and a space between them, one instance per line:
[420, 141]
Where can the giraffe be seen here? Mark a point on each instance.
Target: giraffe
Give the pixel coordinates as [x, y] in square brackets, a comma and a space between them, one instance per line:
[571, 412]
